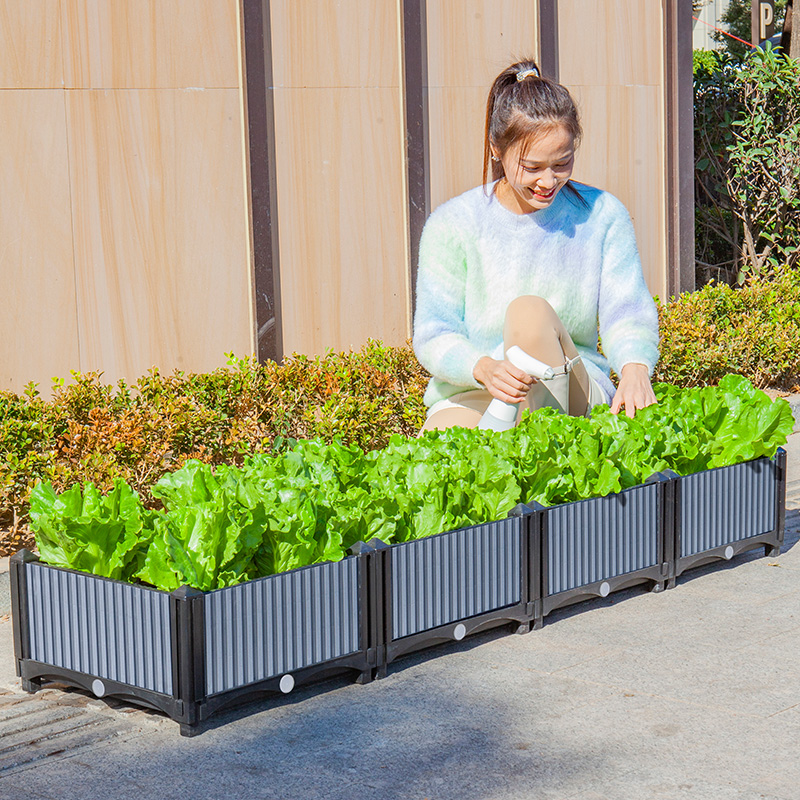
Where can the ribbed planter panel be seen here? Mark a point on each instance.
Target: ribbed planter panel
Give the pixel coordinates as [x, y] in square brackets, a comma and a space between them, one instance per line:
[279, 624]
[593, 540]
[456, 575]
[100, 627]
[727, 505]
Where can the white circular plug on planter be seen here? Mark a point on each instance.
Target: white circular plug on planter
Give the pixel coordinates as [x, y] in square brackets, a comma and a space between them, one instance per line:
[287, 684]
[98, 687]
[728, 554]
[605, 589]
[459, 632]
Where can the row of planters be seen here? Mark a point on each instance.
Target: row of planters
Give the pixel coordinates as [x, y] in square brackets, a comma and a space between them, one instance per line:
[258, 577]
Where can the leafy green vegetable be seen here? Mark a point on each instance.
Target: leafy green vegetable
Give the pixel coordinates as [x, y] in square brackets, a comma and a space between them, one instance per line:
[313, 502]
[105, 535]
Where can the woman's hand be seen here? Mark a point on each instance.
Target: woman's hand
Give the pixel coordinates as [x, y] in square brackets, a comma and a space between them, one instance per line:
[634, 390]
[502, 379]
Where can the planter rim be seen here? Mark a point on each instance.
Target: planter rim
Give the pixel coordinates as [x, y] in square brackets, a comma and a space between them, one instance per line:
[37, 560]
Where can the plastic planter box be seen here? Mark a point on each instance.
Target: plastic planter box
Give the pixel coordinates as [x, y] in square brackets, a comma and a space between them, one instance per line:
[601, 545]
[725, 511]
[189, 653]
[448, 586]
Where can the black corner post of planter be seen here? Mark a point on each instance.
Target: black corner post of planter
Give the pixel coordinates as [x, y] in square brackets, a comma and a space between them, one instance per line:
[369, 605]
[188, 656]
[19, 613]
[773, 550]
[668, 519]
[380, 603]
[532, 518]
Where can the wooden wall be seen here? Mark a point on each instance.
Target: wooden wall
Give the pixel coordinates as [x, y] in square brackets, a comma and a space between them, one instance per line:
[611, 56]
[340, 173]
[469, 43]
[130, 219]
[126, 244]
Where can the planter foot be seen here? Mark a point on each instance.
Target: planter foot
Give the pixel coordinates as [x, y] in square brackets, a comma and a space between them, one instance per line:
[538, 623]
[367, 676]
[190, 730]
[30, 686]
[523, 627]
[772, 550]
[671, 583]
[658, 586]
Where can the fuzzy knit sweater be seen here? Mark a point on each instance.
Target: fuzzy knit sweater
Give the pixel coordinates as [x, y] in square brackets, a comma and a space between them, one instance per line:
[476, 256]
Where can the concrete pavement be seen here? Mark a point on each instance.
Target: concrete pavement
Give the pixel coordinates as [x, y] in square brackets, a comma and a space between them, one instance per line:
[692, 693]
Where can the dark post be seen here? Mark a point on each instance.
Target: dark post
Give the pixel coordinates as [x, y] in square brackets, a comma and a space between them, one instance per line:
[263, 187]
[367, 601]
[382, 600]
[19, 608]
[780, 512]
[529, 518]
[188, 655]
[415, 78]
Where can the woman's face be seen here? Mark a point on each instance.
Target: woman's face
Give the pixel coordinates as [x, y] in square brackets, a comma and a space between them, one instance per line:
[536, 172]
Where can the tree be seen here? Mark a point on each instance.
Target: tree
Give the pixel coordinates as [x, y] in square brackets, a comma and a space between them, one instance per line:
[747, 164]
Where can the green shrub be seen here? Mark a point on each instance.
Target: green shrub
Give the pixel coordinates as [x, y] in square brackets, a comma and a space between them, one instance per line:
[752, 331]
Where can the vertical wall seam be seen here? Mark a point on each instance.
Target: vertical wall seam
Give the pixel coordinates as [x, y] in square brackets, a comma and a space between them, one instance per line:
[548, 38]
[401, 97]
[81, 366]
[259, 97]
[415, 92]
[248, 208]
[679, 122]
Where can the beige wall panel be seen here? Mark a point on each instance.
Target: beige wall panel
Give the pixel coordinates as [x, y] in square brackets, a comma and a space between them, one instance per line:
[30, 44]
[342, 43]
[341, 211]
[617, 42]
[160, 229]
[623, 152]
[150, 43]
[471, 41]
[456, 141]
[38, 326]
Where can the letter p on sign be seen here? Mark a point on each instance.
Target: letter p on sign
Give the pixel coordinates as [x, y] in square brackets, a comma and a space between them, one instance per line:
[763, 19]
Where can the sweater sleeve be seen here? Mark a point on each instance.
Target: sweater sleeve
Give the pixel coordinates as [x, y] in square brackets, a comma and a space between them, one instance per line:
[627, 316]
[440, 334]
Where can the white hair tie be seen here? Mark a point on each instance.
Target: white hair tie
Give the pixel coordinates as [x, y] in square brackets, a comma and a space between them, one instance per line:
[526, 73]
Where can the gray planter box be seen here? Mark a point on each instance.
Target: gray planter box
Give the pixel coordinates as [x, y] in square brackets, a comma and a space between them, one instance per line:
[593, 547]
[448, 586]
[725, 511]
[189, 653]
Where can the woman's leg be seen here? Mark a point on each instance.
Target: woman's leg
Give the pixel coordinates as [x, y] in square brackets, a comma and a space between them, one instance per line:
[533, 325]
[464, 409]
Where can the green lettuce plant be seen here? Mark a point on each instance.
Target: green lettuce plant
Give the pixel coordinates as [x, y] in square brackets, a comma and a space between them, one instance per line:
[221, 526]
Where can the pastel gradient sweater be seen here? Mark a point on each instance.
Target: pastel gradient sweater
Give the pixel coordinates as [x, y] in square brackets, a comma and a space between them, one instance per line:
[475, 257]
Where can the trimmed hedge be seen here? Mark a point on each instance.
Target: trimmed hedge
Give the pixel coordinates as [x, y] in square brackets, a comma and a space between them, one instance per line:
[91, 431]
[752, 331]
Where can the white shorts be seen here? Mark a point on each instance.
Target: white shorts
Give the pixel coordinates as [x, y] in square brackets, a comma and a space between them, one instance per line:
[479, 399]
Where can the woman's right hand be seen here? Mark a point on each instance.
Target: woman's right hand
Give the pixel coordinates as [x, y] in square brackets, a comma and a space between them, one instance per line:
[502, 379]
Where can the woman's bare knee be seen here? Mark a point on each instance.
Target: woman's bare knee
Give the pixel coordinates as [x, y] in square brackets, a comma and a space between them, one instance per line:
[532, 323]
